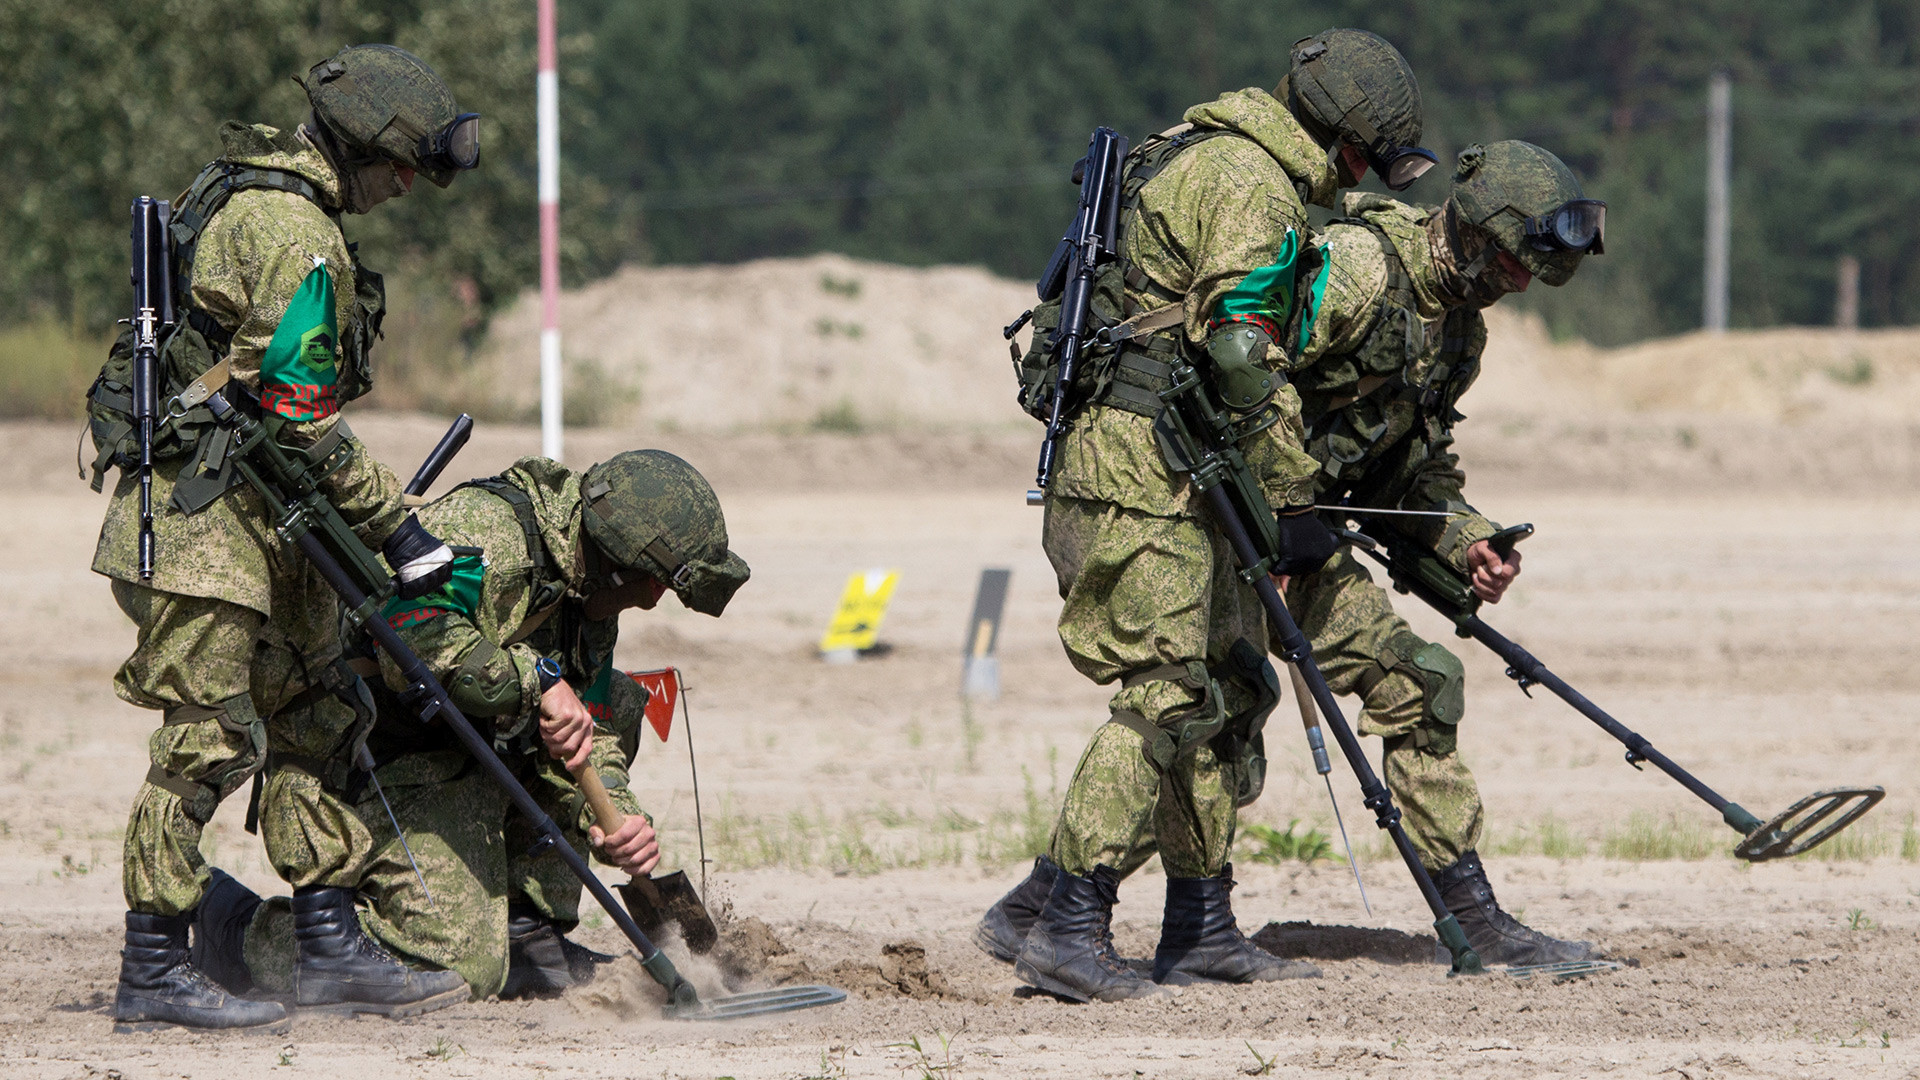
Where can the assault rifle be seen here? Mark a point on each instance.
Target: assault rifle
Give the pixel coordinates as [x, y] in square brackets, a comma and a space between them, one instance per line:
[1090, 243]
[1201, 440]
[153, 319]
[1800, 827]
[303, 517]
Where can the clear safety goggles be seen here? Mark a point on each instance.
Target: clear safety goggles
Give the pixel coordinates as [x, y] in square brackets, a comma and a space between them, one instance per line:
[455, 146]
[1575, 225]
[1400, 166]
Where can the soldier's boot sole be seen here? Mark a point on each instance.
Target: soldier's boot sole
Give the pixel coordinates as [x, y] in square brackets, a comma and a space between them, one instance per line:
[395, 1011]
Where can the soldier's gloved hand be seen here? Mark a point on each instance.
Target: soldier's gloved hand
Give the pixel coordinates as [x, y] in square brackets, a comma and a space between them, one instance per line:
[1305, 542]
[632, 847]
[421, 561]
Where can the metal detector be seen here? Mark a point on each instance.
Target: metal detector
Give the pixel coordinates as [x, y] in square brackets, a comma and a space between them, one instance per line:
[1800, 828]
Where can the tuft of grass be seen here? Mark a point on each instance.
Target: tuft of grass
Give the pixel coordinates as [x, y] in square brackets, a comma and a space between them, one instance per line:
[922, 1061]
[444, 1050]
[45, 369]
[1857, 844]
[1857, 919]
[847, 287]
[1909, 841]
[1548, 836]
[840, 418]
[1646, 838]
[1857, 373]
[972, 734]
[1262, 1066]
[1266, 844]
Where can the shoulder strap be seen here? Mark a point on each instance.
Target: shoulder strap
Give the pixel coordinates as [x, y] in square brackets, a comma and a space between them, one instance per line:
[209, 192]
[1145, 162]
[522, 503]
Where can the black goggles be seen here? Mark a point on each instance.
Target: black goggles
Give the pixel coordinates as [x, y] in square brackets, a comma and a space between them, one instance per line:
[1400, 166]
[455, 146]
[1575, 225]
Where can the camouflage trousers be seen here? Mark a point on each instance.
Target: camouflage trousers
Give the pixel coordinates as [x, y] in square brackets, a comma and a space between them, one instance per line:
[1152, 602]
[471, 843]
[217, 671]
[1413, 697]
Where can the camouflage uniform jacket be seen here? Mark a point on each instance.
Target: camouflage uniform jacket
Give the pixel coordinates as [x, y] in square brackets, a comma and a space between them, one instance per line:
[482, 634]
[1381, 371]
[253, 260]
[1214, 217]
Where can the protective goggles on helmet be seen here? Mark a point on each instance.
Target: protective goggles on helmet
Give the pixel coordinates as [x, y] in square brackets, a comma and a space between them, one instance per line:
[1400, 166]
[455, 146]
[1575, 225]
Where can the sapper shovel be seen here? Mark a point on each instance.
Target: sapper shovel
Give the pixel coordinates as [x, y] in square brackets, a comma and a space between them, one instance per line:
[653, 901]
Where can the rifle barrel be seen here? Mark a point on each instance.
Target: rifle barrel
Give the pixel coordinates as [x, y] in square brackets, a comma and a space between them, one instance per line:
[443, 452]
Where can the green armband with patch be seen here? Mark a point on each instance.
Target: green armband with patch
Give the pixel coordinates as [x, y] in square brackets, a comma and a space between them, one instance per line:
[298, 370]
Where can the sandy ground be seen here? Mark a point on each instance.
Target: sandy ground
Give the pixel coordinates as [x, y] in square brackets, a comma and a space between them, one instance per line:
[1752, 619]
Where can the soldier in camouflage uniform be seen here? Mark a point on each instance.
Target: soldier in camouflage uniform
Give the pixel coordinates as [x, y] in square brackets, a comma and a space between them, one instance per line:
[522, 636]
[238, 641]
[1213, 220]
[1395, 339]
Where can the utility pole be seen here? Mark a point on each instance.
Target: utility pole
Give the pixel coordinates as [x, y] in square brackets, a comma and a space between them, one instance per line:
[1719, 166]
[547, 102]
[1846, 294]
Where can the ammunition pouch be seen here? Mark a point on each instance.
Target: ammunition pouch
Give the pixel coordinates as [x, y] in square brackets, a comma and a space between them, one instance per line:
[1442, 681]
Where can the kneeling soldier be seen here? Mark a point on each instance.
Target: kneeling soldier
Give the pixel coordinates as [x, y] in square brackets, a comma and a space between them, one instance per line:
[524, 634]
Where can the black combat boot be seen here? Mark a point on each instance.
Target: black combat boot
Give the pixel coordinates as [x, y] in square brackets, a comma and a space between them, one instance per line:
[342, 970]
[1200, 941]
[1003, 929]
[1069, 950]
[541, 961]
[159, 985]
[1498, 937]
[220, 932]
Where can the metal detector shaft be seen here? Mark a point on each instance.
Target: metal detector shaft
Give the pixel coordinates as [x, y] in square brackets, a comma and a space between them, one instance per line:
[431, 700]
[1374, 794]
[1526, 669]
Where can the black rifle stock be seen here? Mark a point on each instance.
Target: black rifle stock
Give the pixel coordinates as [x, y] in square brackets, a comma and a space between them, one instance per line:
[1414, 570]
[153, 319]
[305, 518]
[1090, 243]
[1200, 440]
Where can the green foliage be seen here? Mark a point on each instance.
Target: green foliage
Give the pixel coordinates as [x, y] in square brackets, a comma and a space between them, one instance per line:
[922, 132]
[1266, 844]
[1646, 838]
[45, 370]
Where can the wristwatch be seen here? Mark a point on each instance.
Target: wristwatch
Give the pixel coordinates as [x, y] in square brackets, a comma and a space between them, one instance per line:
[549, 671]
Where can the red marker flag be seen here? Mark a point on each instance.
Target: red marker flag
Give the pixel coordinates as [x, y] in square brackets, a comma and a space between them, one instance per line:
[663, 689]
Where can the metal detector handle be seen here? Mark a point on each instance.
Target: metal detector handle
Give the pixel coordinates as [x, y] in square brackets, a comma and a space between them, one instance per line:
[1315, 741]
[449, 445]
[1502, 542]
[1374, 794]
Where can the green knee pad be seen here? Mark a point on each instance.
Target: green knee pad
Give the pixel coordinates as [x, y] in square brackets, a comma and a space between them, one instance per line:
[1182, 730]
[1443, 701]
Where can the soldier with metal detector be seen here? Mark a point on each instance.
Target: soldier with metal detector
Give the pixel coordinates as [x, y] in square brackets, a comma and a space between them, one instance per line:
[1391, 341]
[246, 285]
[1183, 251]
[523, 636]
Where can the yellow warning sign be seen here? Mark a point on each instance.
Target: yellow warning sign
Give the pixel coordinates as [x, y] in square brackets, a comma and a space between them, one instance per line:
[856, 624]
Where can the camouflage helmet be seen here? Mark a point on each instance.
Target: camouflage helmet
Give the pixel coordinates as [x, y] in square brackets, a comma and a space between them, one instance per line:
[1354, 87]
[385, 102]
[1531, 204]
[647, 510]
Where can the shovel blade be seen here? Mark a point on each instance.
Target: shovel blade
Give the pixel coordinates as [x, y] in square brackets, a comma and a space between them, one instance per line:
[1562, 970]
[655, 902]
[757, 1003]
[1808, 823]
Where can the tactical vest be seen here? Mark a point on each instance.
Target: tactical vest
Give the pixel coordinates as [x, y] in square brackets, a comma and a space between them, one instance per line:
[1128, 365]
[198, 342]
[1359, 405]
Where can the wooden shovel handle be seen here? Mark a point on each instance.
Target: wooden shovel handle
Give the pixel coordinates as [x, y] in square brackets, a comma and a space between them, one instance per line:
[605, 814]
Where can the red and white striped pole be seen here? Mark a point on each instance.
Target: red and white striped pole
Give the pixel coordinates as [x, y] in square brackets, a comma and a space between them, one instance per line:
[548, 105]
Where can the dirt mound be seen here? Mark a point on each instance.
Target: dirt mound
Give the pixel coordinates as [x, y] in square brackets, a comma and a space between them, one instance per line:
[1305, 941]
[750, 953]
[826, 342]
